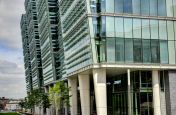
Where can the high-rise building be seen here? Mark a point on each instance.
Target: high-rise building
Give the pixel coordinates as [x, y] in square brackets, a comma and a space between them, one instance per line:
[26, 53]
[34, 43]
[119, 56]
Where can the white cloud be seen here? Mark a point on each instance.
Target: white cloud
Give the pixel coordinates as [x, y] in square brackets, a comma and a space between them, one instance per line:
[10, 15]
[12, 80]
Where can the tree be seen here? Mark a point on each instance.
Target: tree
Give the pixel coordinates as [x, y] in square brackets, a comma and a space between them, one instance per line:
[59, 95]
[36, 98]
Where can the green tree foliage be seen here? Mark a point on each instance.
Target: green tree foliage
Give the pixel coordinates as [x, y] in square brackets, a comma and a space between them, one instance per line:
[58, 95]
[36, 98]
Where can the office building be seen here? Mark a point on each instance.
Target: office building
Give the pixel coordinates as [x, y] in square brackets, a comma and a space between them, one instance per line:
[118, 56]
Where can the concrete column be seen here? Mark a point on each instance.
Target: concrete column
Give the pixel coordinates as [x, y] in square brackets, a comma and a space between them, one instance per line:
[156, 93]
[99, 76]
[72, 83]
[84, 85]
[129, 92]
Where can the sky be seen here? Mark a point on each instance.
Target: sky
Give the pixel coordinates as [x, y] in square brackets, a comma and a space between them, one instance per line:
[12, 77]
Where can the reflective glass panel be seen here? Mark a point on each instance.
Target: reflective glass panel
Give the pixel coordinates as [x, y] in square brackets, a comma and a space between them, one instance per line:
[162, 8]
[137, 28]
[119, 6]
[120, 49]
[128, 27]
[153, 7]
[174, 7]
[103, 5]
[171, 49]
[162, 30]
[169, 7]
[155, 51]
[127, 6]
[136, 4]
[103, 26]
[154, 29]
[110, 6]
[129, 50]
[137, 50]
[163, 52]
[146, 51]
[145, 7]
[110, 27]
[110, 46]
[145, 29]
[170, 30]
[119, 27]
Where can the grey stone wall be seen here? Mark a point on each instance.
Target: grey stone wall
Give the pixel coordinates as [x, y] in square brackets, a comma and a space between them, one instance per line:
[171, 93]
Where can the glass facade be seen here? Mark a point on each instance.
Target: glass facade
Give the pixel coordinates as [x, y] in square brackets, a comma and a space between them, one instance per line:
[141, 94]
[139, 7]
[138, 40]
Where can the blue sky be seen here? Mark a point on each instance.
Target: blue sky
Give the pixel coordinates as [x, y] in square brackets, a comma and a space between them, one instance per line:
[12, 78]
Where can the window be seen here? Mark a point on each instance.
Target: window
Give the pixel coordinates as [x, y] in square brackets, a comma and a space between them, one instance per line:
[103, 26]
[170, 30]
[119, 6]
[137, 28]
[162, 30]
[154, 29]
[110, 44]
[169, 7]
[146, 51]
[128, 27]
[161, 8]
[155, 51]
[129, 50]
[127, 6]
[145, 29]
[119, 27]
[153, 7]
[110, 6]
[163, 52]
[110, 27]
[171, 52]
[136, 6]
[144, 7]
[137, 50]
[119, 49]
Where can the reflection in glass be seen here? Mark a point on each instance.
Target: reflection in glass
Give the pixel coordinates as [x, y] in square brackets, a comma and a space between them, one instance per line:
[155, 51]
[163, 52]
[153, 7]
[144, 7]
[146, 51]
[154, 29]
[119, 27]
[170, 30]
[137, 50]
[169, 7]
[110, 6]
[110, 46]
[103, 5]
[127, 6]
[129, 50]
[171, 52]
[118, 6]
[119, 49]
[161, 8]
[145, 29]
[128, 27]
[110, 27]
[137, 28]
[162, 30]
[136, 6]
[103, 26]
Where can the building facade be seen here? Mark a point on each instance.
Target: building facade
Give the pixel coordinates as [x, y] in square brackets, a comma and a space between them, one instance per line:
[118, 56]
[26, 53]
[34, 43]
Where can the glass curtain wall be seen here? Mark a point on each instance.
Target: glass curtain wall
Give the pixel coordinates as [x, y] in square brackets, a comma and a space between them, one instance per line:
[138, 7]
[136, 40]
[141, 94]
